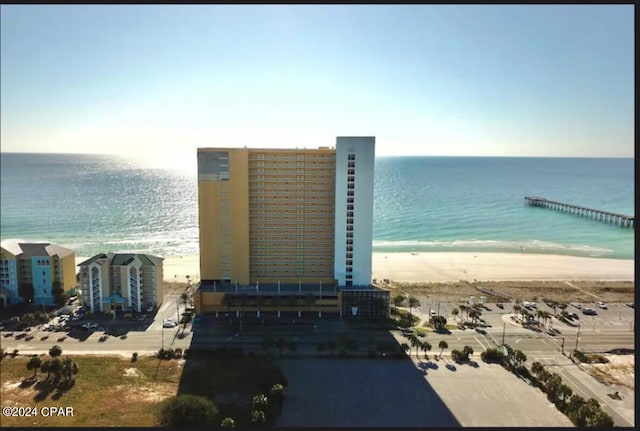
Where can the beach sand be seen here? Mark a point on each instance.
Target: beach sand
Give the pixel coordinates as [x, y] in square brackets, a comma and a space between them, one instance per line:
[454, 266]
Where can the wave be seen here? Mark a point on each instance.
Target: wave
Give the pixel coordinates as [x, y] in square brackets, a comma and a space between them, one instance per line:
[530, 246]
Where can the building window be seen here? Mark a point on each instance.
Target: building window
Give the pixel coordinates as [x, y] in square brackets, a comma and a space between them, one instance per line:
[349, 256]
[349, 221]
[349, 242]
[349, 200]
[349, 192]
[349, 213]
[350, 186]
[349, 207]
[349, 268]
[349, 248]
[350, 234]
[351, 172]
[351, 178]
[352, 164]
[352, 156]
[349, 228]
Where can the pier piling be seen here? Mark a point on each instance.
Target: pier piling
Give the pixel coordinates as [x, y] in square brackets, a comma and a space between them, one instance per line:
[600, 215]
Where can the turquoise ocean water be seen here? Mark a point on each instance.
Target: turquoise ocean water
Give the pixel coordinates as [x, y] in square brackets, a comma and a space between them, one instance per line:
[97, 204]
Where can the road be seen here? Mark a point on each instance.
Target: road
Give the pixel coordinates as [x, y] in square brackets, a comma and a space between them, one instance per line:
[610, 329]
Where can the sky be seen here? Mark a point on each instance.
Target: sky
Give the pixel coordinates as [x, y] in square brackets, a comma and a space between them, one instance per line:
[159, 81]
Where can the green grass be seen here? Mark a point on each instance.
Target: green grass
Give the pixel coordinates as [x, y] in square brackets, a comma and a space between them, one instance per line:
[103, 395]
[115, 392]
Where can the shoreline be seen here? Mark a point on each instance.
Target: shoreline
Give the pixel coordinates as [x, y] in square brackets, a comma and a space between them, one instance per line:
[456, 266]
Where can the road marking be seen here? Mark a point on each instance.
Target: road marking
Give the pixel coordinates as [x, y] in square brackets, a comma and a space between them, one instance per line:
[476, 338]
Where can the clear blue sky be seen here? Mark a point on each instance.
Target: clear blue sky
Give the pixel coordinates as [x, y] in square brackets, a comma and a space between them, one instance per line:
[532, 80]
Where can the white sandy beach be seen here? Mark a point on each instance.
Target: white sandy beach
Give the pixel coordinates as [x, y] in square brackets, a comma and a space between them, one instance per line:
[453, 266]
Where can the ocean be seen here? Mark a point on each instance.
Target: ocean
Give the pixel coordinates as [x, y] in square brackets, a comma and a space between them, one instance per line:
[95, 204]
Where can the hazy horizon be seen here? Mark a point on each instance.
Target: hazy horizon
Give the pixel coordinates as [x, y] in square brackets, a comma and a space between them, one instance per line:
[158, 81]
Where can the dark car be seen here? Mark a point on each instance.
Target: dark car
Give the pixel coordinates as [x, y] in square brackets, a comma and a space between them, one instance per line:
[499, 305]
[589, 311]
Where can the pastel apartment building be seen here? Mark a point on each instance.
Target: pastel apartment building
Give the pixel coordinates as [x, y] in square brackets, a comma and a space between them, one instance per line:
[122, 281]
[287, 230]
[30, 271]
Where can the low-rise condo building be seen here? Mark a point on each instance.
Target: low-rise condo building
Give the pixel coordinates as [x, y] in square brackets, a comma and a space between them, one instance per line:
[127, 282]
[288, 230]
[35, 273]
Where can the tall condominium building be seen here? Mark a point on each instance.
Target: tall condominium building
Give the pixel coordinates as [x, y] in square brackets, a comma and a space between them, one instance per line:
[31, 272]
[129, 282]
[277, 220]
[288, 215]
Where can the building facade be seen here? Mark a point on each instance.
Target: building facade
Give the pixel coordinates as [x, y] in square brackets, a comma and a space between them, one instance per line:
[31, 272]
[285, 226]
[128, 282]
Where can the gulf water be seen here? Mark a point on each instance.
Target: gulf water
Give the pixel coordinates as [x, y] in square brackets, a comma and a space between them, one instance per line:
[96, 204]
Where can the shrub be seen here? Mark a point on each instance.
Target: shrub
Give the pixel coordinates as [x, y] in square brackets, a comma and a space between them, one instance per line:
[186, 410]
[15, 353]
[258, 417]
[165, 354]
[228, 423]
[134, 357]
[494, 356]
[177, 353]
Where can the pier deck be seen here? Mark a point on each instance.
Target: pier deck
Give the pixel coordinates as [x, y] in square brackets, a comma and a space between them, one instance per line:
[605, 216]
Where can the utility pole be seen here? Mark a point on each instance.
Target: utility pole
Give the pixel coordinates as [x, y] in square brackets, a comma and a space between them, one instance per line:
[163, 336]
[504, 327]
[578, 335]
[562, 345]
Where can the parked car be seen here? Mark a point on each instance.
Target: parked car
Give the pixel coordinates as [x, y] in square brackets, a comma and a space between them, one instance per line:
[499, 305]
[169, 323]
[589, 311]
[602, 305]
[576, 304]
[88, 326]
[432, 312]
[573, 316]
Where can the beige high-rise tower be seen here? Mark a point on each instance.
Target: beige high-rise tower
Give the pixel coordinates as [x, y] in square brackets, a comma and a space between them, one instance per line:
[269, 215]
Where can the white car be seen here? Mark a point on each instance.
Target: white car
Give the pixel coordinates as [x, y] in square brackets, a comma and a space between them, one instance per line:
[90, 325]
[576, 304]
[601, 305]
[169, 323]
[433, 312]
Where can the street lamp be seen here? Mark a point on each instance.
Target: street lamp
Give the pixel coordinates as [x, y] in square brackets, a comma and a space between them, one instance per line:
[578, 335]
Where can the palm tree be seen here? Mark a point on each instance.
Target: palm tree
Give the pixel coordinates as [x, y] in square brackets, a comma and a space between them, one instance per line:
[414, 342]
[55, 351]
[466, 351]
[517, 309]
[474, 314]
[45, 368]
[184, 299]
[536, 367]
[425, 346]
[454, 313]
[34, 363]
[413, 303]
[398, 300]
[565, 393]
[69, 368]
[520, 357]
[464, 309]
[443, 345]
[55, 367]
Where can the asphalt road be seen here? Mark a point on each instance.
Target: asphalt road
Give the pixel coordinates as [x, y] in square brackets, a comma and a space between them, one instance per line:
[610, 329]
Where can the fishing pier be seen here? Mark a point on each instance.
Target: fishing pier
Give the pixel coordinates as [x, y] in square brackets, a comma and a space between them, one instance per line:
[605, 216]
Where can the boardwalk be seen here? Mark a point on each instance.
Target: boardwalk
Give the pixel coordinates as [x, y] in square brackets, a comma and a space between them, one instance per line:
[605, 216]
